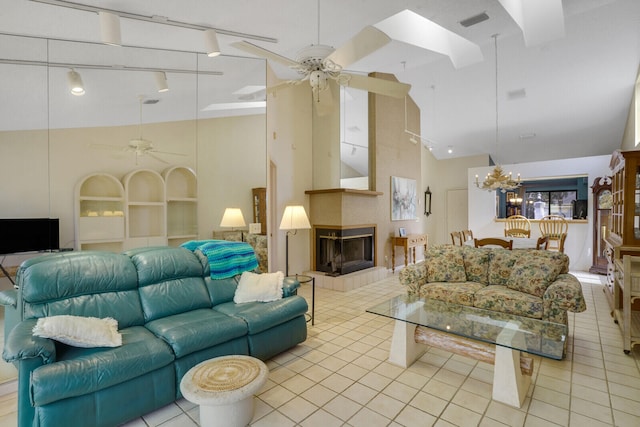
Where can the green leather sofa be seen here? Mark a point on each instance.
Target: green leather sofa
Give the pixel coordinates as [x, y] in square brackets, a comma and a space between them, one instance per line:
[170, 313]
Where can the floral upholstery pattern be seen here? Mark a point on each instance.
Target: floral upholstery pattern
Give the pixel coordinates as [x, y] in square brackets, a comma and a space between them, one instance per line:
[505, 300]
[533, 275]
[476, 263]
[500, 266]
[501, 288]
[445, 264]
[458, 293]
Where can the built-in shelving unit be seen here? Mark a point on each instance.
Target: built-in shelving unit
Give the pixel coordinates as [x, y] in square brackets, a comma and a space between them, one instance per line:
[182, 205]
[144, 209]
[99, 204]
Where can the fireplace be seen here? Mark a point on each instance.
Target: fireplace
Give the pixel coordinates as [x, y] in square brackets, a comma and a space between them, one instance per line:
[344, 250]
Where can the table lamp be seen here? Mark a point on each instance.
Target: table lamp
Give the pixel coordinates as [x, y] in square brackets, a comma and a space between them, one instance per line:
[232, 217]
[294, 219]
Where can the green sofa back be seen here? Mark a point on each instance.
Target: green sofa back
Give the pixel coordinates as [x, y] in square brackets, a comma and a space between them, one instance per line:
[81, 284]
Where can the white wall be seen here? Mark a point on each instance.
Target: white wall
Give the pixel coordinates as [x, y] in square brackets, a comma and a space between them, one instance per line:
[580, 237]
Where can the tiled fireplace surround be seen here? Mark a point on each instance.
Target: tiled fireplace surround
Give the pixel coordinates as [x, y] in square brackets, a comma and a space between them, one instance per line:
[345, 208]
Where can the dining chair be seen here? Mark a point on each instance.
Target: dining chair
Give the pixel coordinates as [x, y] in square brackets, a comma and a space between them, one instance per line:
[542, 242]
[456, 238]
[493, 241]
[467, 235]
[555, 228]
[517, 226]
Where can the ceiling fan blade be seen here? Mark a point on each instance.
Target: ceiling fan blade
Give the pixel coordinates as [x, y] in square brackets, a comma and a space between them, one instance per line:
[165, 152]
[157, 158]
[264, 53]
[362, 44]
[281, 85]
[375, 85]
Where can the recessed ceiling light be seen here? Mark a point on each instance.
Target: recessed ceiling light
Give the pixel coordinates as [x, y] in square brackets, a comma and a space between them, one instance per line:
[450, 150]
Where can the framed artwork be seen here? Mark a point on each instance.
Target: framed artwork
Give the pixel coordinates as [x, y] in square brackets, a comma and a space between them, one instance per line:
[402, 232]
[403, 199]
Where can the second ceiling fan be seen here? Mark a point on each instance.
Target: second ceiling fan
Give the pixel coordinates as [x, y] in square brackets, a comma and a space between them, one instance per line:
[319, 63]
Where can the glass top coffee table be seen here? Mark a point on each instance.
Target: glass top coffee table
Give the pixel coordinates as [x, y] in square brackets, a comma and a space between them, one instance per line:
[489, 336]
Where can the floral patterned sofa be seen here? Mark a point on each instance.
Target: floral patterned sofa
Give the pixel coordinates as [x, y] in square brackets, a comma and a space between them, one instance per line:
[525, 282]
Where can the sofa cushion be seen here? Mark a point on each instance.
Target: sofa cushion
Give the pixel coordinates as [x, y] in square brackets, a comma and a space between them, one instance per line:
[476, 263]
[445, 264]
[500, 265]
[505, 300]
[80, 371]
[458, 292]
[260, 316]
[196, 330]
[533, 274]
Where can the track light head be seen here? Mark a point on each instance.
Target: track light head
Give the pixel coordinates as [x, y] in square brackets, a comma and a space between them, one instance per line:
[161, 81]
[110, 28]
[211, 43]
[75, 83]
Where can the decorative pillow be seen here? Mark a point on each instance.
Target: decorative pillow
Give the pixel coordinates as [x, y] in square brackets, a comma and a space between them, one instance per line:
[259, 287]
[533, 275]
[501, 264]
[476, 264]
[445, 264]
[80, 331]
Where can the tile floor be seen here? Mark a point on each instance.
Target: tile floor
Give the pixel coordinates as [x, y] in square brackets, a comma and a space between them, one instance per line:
[340, 377]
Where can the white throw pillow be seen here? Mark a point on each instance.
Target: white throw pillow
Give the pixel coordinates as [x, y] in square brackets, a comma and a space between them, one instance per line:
[259, 287]
[80, 331]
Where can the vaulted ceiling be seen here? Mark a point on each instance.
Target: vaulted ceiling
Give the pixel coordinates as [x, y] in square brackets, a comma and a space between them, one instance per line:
[568, 97]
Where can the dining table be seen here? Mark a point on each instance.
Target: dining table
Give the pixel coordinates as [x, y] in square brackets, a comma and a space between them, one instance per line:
[518, 242]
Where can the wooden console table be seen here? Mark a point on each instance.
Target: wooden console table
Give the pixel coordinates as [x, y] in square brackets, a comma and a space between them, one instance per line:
[407, 242]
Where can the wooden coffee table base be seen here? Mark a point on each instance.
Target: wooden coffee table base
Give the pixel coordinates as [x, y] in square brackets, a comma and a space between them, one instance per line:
[511, 374]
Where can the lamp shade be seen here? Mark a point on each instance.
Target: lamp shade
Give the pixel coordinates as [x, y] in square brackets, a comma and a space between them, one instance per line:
[294, 218]
[232, 218]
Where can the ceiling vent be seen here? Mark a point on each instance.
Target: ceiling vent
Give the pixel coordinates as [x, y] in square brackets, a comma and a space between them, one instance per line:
[150, 101]
[516, 94]
[473, 20]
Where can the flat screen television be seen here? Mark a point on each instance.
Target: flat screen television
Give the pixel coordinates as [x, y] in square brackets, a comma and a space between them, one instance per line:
[29, 235]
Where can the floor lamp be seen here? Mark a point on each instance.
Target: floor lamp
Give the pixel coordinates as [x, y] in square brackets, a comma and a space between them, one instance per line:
[294, 219]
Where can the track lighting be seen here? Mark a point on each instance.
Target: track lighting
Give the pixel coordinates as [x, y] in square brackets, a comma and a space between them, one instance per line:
[353, 151]
[161, 81]
[110, 28]
[211, 43]
[75, 83]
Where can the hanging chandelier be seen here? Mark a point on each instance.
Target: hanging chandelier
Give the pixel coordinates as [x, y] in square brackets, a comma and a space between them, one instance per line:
[497, 179]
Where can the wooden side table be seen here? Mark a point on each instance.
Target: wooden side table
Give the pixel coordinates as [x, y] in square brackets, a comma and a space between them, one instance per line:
[407, 242]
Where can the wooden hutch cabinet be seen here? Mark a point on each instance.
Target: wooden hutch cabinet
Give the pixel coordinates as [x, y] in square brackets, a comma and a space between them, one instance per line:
[624, 239]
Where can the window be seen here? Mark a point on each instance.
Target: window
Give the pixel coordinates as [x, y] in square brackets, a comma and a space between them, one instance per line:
[542, 203]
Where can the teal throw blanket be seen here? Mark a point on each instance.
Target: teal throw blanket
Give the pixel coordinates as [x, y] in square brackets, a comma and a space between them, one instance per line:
[226, 259]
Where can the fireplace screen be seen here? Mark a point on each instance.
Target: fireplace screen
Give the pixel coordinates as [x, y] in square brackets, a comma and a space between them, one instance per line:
[343, 251]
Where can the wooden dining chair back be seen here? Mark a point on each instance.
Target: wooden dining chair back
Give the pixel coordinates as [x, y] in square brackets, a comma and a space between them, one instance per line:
[456, 238]
[492, 241]
[555, 228]
[517, 226]
[467, 235]
[542, 243]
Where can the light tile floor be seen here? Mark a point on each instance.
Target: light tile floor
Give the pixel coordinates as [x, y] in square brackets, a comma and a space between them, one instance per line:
[340, 376]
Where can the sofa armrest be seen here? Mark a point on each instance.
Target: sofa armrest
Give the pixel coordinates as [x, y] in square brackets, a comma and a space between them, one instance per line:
[413, 277]
[565, 293]
[290, 287]
[21, 344]
[9, 298]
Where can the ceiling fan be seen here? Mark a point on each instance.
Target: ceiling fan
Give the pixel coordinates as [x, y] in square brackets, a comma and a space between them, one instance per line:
[139, 146]
[319, 63]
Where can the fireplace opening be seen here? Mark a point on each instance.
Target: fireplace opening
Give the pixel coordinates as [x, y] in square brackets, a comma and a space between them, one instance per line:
[343, 251]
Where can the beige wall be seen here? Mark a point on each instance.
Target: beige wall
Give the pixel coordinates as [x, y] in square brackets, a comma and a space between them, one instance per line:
[41, 168]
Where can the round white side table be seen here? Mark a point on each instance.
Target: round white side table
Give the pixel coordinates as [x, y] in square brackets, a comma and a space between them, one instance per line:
[224, 389]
